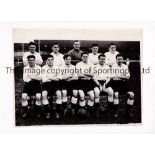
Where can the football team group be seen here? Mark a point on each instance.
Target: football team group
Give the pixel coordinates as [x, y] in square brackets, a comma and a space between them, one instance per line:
[74, 83]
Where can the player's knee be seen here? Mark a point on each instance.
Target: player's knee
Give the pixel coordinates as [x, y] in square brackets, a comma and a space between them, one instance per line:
[116, 95]
[81, 94]
[44, 94]
[96, 92]
[38, 96]
[110, 91]
[64, 93]
[131, 95]
[24, 96]
[75, 93]
[58, 94]
[91, 95]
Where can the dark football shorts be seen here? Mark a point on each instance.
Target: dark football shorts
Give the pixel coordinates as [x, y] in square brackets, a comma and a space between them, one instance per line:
[102, 83]
[120, 86]
[86, 85]
[51, 87]
[32, 87]
[69, 85]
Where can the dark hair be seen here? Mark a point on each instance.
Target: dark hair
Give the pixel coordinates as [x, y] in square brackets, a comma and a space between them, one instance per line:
[76, 41]
[95, 44]
[84, 53]
[32, 43]
[119, 55]
[66, 56]
[30, 56]
[55, 43]
[49, 56]
[112, 44]
[101, 55]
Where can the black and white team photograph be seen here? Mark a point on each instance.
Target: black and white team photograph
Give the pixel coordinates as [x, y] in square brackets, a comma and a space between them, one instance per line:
[76, 81]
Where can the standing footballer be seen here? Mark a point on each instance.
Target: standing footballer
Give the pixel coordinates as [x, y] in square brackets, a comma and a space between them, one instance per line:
[93, 57]
[76, 52]
[58, 57]
[32, 48]
[111, 55]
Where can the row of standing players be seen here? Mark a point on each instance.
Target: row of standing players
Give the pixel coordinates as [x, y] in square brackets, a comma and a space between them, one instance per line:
[75, 84]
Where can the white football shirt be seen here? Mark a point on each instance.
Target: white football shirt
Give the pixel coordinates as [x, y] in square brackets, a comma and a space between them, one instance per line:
[102, 72]
[50, 72]
[58, 59]
[121, 71]
[29, 72]
[110, 58]
[84, 68]
[93, 58]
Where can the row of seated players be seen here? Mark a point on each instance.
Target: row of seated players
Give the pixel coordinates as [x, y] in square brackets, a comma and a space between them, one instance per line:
[76, 84]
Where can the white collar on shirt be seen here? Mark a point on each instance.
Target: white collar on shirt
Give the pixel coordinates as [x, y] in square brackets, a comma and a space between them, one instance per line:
[112, 52]
[55, 53]
[119, 65]
[94, 53]
[102, 65]
[32, 67]
[33, 53]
